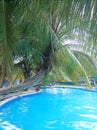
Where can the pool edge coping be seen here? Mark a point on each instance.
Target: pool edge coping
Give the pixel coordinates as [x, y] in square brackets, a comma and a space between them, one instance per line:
[31, 92]
[19, 95]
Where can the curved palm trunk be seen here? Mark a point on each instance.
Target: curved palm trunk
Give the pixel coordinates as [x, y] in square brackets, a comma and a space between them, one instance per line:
[26, 68]
[29, 84]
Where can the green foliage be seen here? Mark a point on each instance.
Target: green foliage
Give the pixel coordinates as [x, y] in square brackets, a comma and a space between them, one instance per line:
[66, 67]
[88, 63]
[36, 31]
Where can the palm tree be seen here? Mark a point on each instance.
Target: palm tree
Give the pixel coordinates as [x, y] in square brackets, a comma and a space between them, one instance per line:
[5, 41]
[38, 30]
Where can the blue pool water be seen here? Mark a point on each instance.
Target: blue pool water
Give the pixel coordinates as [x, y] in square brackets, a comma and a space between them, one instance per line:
[53, 109]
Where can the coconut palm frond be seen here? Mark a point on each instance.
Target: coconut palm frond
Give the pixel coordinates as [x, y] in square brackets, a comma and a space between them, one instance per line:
[38, 32]
[6, 45]
[86, 60]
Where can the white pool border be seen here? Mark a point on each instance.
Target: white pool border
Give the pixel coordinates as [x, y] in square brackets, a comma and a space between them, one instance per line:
[31, 92]
[18, 95]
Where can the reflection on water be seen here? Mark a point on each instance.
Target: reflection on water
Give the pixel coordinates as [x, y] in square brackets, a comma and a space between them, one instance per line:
[70, 125]
[85, 125]
[53, 109]
[56, 91]
[89, 107]
[89, 116]
[7, 126]
[51, 124]
[53, 91]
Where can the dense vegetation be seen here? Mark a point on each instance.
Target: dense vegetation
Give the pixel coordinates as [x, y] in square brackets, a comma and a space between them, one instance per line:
[56, 37]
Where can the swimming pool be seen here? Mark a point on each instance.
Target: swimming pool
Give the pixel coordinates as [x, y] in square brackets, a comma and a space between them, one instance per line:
[52, 109]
